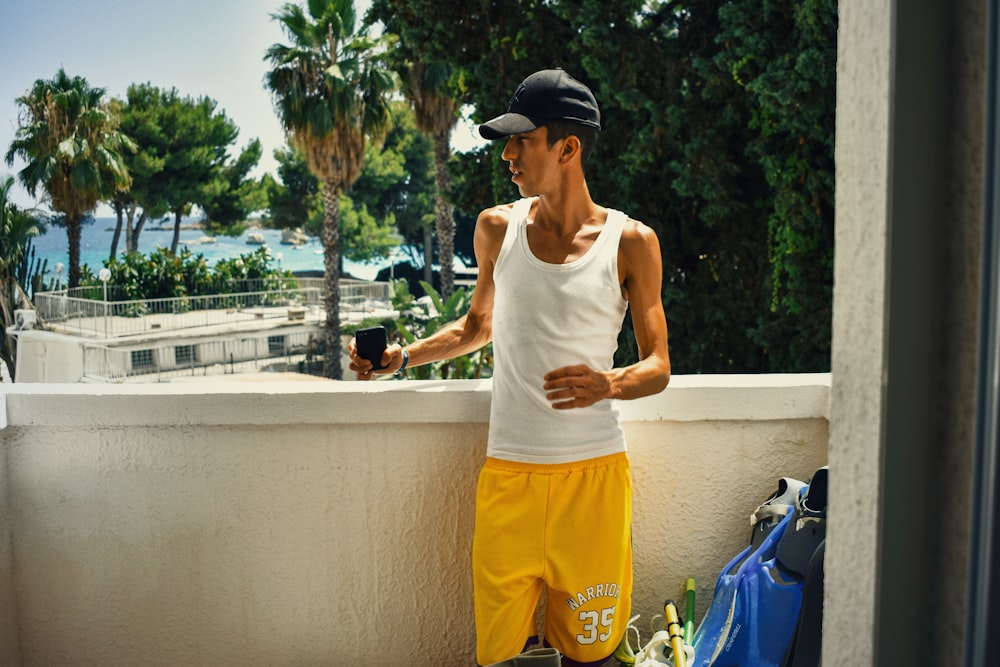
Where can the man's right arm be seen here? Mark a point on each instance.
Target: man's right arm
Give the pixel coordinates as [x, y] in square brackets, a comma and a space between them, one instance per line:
[471, 331]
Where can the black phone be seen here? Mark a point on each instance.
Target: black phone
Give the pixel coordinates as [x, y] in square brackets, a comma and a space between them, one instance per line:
[371, 343]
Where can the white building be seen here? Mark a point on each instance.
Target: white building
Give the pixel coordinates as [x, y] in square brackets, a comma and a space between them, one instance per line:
[73, 339]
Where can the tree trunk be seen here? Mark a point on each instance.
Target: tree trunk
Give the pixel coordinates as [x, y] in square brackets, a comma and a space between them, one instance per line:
[331, 264]
[444, 217]
[73, 233]
[428, 254]
[177, 231]
[120, 215]
[8, 344]
[132, 235]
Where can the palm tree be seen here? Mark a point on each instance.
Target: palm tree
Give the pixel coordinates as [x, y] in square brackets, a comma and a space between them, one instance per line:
[330, 92]
[437, 113]
[17, 228]
[73, 149]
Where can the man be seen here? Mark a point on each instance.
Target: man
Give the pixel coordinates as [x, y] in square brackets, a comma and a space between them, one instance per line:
[556, 273]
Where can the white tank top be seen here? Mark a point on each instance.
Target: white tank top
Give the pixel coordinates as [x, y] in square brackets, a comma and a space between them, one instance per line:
[546, 316]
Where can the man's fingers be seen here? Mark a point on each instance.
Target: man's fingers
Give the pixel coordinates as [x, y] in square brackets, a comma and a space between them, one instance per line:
[566, 372]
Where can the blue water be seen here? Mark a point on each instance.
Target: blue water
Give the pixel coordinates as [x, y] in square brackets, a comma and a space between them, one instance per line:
[95, 246]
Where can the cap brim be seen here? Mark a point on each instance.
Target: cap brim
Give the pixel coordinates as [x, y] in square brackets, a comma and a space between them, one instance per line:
[506, 125]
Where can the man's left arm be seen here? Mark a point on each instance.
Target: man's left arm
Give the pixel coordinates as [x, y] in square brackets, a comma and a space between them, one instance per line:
[641, 269]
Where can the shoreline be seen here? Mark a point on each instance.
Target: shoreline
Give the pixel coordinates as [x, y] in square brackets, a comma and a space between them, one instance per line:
[185, 226]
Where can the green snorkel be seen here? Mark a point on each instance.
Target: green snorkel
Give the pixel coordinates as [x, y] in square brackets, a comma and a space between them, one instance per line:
[689, 611]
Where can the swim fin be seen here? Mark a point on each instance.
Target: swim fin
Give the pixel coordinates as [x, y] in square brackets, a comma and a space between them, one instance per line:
[713, 633]
[768, 523]
[768, 600]
[765, 608]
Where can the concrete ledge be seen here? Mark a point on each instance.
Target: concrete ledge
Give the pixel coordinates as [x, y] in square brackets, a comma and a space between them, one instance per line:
[691, 398]
[221, 403]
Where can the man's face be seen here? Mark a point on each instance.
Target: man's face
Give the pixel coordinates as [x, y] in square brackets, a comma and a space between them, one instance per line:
[532, 161]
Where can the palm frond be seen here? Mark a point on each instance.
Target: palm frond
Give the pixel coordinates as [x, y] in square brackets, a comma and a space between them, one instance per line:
[294, 23]
[85, 176]
[68, 149]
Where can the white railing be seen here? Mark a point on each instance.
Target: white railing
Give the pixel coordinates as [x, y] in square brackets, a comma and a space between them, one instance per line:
[65, 312]
[112, 319]
[272, 350]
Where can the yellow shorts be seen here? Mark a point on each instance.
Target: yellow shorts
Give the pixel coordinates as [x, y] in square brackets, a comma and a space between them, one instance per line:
[566, 527]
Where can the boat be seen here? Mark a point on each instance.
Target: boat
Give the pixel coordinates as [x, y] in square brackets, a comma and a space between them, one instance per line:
[201, 240]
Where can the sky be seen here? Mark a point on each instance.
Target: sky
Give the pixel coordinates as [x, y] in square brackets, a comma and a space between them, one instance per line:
[213, 48]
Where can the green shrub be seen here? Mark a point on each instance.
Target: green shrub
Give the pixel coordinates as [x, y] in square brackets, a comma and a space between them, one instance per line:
[163, 275]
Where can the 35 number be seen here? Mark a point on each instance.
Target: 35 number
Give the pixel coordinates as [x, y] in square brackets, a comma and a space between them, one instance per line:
[593, 623]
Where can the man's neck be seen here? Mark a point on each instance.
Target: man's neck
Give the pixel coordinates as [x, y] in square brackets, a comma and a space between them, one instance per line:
[566, 212]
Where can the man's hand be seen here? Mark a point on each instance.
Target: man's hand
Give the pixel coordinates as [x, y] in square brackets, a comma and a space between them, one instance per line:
[576, 387]
[392, 359]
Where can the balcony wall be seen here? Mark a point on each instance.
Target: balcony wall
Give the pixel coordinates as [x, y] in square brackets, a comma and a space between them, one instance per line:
[239, 523]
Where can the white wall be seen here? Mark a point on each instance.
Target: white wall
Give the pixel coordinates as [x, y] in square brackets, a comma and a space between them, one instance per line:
[47, 357]
[330, 523]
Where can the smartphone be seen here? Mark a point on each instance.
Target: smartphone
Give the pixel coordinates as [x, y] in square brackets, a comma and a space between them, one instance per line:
[371, 343]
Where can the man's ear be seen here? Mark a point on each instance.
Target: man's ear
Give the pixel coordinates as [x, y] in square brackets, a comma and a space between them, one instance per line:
[570, 147]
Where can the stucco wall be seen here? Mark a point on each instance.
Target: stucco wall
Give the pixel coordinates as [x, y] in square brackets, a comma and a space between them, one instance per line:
[881, 86]
[859, 303]
[259, 524]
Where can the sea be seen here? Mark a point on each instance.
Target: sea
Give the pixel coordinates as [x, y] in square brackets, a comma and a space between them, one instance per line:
[95, 247]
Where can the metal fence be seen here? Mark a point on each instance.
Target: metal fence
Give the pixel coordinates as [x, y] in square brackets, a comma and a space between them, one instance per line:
[274, 351]
[76, 311]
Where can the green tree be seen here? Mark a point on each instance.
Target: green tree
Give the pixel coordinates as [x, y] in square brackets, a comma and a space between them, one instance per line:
[366, 230]
[471, 187]
[233, 195]
[181, 160]
[437, 81]
[294, 199]
[706, 197]
[428, 87]
[200, 138]
[397, 183]
[70, 142]
[142, 116]
[330, 90]
[789, 86]
[365, 237]
[734, 134]
[17, 228]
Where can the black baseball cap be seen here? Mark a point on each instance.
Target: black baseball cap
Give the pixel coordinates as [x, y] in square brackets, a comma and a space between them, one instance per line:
[545, 96]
